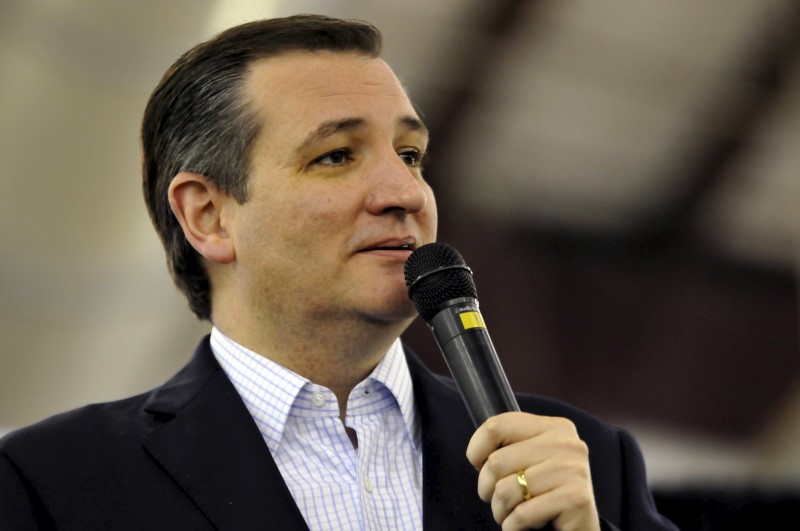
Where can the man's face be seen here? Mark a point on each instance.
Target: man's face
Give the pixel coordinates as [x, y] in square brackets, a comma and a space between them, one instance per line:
[336, 199]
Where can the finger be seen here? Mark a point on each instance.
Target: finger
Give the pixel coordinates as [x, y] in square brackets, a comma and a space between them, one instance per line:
[505, 462]
[508, 493]
[567, 508]
[571, 475]
[549, 454]
[531, 514]
[507, 428]
[501, 430]
[570, 471]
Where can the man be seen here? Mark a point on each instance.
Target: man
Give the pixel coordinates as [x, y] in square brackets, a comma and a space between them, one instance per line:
[283, 172]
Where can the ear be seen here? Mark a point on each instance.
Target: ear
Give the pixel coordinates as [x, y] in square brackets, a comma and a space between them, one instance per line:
[200, 208]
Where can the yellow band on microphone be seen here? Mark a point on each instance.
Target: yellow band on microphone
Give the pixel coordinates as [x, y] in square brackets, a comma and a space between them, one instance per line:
[471, 320]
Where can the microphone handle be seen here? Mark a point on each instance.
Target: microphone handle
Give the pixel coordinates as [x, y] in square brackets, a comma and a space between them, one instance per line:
[472, 360]
[470, 355]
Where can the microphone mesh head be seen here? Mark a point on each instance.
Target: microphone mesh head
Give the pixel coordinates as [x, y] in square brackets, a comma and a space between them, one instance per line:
[438, 287]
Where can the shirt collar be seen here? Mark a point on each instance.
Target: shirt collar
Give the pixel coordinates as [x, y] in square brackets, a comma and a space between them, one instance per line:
[393, 373]
[270, 390]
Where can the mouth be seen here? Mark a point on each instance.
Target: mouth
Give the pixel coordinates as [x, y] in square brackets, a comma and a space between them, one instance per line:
[407, 245]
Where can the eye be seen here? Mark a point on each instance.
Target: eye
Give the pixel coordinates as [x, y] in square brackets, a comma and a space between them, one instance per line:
[412, 157]
[334, 158]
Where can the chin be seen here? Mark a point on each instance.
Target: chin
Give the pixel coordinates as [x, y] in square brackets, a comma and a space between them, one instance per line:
[397, 311]
[384, 301]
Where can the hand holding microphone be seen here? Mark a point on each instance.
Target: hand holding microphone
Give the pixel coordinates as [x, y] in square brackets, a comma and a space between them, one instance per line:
[539, 467]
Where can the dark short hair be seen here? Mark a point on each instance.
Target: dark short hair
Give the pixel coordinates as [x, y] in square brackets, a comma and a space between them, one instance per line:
[199, 120]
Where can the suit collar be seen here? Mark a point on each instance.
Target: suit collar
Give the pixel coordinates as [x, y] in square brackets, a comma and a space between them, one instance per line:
[206, 440]
[171, 397]
[212, 449]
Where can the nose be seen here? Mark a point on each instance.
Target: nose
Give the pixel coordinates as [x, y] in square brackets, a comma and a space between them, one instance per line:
[396, 187]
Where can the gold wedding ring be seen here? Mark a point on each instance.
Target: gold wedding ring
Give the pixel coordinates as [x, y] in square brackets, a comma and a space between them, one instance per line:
[523, 485]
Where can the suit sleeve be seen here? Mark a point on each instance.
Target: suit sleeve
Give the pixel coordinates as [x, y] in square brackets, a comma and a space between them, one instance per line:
[639, 508]
[19, 508]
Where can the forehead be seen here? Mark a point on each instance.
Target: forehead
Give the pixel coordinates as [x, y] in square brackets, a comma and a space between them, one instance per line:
[305, 88]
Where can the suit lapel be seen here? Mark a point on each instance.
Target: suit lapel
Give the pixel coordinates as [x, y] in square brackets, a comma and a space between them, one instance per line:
[210, 446]
[450, 483]
[206, 441]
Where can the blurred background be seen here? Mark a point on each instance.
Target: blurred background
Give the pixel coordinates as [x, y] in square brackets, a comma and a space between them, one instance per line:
[623, 178]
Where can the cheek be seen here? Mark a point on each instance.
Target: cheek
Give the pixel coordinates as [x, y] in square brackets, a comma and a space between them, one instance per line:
[317, 225]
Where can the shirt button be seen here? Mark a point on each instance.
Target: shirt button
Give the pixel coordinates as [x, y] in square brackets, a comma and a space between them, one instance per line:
[369, 485]
[318, 399]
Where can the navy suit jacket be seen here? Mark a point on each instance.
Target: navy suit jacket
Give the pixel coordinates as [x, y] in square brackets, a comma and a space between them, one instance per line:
[188, 455]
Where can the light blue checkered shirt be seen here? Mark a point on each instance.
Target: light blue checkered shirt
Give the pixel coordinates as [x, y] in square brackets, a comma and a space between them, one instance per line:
[378, 486]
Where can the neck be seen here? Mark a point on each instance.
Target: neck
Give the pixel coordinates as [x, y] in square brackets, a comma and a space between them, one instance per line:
[335, 353]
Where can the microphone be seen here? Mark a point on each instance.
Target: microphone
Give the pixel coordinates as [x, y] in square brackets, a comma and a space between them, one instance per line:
[441, 286]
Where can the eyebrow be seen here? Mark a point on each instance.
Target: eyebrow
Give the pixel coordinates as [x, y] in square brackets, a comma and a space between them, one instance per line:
[414, 124]
[332, 127]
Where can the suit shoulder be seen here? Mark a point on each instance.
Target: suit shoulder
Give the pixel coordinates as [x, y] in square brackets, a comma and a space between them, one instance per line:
[77, 427]
[586, 423]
